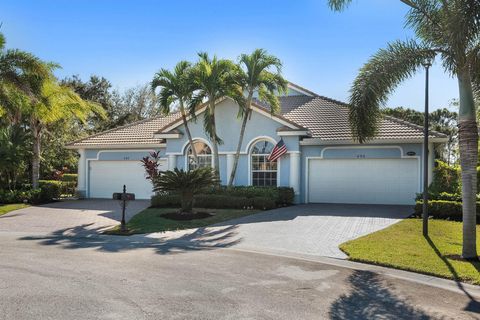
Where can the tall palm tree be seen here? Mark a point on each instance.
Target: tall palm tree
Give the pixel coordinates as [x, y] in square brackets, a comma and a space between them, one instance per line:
[213, 79]
[176, 88]
[254, 74]
[449, 30]
[21, 78]
[57, 103]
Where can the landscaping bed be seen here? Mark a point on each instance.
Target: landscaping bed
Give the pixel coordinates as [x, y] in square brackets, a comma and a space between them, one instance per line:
[160, 219]
[403, 246]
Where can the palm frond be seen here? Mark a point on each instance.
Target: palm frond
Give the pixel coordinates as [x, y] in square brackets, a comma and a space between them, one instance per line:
[377, 79]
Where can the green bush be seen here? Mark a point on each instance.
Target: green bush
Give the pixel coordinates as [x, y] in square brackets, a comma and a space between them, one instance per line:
[15, 196]
[445, 178]
[165, 201]
[443, 209]
[263, 203]
[50, 190]
[281, 195]
[286, 196]
[214, 201]
[69, 177]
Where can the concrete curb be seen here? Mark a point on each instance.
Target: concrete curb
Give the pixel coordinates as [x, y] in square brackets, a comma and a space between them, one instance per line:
[450, 285]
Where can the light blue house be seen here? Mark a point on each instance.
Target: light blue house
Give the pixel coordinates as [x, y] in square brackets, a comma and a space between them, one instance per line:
[322, 164]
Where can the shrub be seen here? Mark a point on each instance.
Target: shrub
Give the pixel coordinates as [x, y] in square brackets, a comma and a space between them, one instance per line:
[443, 209]
[215, 201]
[445, 178]
[263, 203]
[281, 195]
[286, 196]
[221, 202]
[186, 184]
[50, 190]
[69, 177]
[165, 201]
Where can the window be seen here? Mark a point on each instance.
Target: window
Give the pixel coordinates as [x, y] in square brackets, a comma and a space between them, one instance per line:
[264, 172]
[204, 155]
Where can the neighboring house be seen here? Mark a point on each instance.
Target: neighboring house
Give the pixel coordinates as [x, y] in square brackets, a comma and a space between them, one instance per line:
[323, 163]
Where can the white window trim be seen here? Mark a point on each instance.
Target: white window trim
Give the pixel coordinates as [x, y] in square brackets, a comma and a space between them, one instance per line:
[249, 153]
[185, 151]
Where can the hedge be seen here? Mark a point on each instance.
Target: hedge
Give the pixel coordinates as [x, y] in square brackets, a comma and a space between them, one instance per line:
[283, 196]
[214, 201]
[444, 209]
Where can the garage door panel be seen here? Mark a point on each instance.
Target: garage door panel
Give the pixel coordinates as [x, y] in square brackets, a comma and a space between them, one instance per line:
[377, 181]
[107, 177]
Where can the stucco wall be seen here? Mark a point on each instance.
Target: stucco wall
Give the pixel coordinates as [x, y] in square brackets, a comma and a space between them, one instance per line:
[260, 126]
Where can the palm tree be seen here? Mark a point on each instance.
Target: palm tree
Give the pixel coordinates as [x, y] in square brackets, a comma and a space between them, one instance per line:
[57, 103]
[254, 75]
[450, 31]
[213, 79]
[21, 78]
[176, 88]
[186, 184]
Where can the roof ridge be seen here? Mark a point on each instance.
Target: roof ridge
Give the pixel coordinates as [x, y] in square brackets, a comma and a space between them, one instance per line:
[413, 125]
[119, 128]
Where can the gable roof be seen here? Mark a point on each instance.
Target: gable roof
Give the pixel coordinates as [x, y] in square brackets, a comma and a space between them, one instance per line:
[324, 118]
[133, 134]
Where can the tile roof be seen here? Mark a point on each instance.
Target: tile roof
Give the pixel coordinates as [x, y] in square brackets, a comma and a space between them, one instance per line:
[140, 132]
[326, 119]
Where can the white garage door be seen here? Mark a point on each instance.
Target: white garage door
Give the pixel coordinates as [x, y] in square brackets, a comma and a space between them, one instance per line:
[375, 181]
[107, 177]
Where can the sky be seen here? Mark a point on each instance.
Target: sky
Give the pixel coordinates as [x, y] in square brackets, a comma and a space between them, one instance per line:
[127, 41]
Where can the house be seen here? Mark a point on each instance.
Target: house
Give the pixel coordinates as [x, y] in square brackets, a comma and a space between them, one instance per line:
[323, 163]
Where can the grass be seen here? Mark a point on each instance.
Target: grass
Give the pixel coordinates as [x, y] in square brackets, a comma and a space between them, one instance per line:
[6, 208]
[150, 220]
[402, 246]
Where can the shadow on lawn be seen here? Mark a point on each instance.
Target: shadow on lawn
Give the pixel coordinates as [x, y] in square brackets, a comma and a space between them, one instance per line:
[82, 237]
[371, 299]
[473, 305]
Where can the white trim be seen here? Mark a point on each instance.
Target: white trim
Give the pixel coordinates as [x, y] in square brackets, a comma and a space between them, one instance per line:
[167, 135]
[254, 140]
[116, 146]
[249, 158]
[184, 151]
[402, 156]
[292, 133]
[254, 108]
[274, 117]
[294, 87]
[317, 141]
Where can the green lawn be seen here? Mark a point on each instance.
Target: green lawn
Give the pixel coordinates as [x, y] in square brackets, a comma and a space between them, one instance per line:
[6, 208]
[402, 246]
[149, 220]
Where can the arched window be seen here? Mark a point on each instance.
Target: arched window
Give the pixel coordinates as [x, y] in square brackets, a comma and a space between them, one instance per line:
[263, 172]
[204, 154]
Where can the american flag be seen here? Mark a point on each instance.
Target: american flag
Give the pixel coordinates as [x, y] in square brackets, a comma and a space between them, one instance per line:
[279, 150]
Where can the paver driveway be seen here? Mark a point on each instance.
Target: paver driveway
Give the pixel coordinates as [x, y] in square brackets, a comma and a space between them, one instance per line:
[91, 215]
[315, 229]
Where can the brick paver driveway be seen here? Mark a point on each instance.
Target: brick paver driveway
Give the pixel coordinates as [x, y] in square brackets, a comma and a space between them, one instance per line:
[86, 215]
[316, 229]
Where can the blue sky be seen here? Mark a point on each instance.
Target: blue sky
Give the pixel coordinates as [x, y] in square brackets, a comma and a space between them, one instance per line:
[127, 41]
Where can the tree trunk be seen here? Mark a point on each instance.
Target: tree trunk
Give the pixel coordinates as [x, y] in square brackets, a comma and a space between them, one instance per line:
[37, 139]
[240, 140]
[187, 202]
[468, 145]
[189, 135]
[216, 159]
